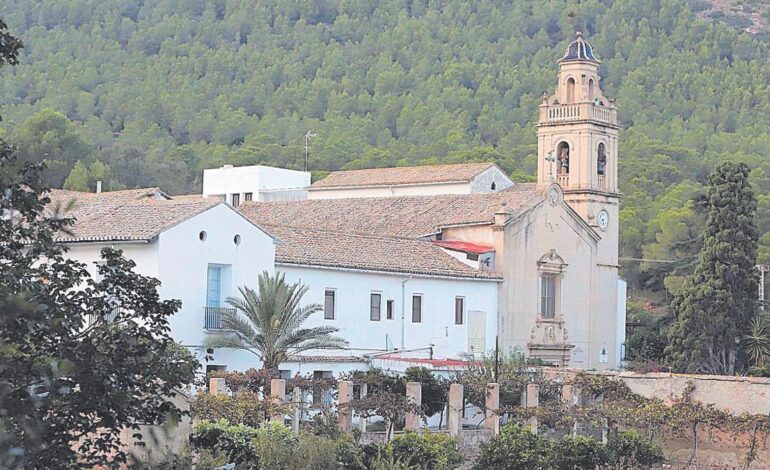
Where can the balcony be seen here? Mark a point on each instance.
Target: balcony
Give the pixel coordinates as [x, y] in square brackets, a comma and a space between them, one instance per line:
[213, 317]
[563, 180]
[559, 113]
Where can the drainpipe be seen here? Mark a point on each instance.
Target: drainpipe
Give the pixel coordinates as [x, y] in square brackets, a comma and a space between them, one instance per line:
[403, 310]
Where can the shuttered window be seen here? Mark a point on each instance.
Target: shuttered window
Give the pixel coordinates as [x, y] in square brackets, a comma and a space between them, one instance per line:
[459, 310]
[329, 295]
[416, 309]
[375, 301]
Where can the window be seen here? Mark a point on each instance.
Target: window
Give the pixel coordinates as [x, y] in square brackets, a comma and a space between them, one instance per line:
[284, 374]
[214, 368]
[389, 310]
[459, 310]
[493, 187]
[601, 159]
[570, 90]
[548, 296]
[562, 158]
[236, 200]
[321, 394]
[591, 92]
[417, 308]
[329, 295]
[248, 196]
[202, 236]
[213, 286]
[375, 300]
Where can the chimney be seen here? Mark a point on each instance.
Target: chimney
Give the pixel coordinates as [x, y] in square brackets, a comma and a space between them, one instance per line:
[98, 187]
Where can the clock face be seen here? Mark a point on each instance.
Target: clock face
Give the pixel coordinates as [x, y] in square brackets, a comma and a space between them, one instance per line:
[603, 219]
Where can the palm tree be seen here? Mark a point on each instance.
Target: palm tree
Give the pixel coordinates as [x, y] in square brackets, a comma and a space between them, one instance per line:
[757, 342]
[270, 322]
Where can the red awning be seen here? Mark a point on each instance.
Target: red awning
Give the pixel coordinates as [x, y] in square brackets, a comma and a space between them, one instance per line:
[465, 247]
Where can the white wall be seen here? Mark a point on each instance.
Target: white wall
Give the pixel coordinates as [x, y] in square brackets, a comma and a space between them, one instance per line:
[482, 183]
[180, 260]
[184, 261]
[621, 323]
[255, 179]
[438, 327]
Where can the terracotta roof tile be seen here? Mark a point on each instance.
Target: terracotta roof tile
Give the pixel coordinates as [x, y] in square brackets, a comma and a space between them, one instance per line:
[326, 248]
[407, 216]
[461, 172]
[137, 214]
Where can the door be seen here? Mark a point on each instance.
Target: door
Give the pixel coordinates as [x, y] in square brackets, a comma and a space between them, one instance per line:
[477, 332]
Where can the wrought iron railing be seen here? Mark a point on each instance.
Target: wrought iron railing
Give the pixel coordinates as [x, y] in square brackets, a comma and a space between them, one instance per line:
[213, 317]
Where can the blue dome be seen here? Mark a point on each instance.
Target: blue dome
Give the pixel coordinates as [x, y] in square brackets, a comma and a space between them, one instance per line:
[579, 49]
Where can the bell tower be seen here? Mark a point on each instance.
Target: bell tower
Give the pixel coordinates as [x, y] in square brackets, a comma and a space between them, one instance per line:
[577, 134]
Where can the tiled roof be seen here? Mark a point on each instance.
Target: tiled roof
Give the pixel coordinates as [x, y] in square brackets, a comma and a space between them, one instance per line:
[461, 172]
[325, 358]
[137, 214]
[401, 216]
[326, 248]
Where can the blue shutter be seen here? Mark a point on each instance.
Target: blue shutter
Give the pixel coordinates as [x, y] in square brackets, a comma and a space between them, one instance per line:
[214, 286]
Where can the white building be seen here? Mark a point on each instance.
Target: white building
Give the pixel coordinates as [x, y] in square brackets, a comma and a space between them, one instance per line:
[201, 251]
[466, 178]
[257, 182]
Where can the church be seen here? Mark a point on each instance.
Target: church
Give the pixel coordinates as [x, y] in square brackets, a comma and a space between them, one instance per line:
[554, 243]
[423, 265]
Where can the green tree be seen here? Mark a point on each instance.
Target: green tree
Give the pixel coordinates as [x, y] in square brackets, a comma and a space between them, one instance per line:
[85, 178]
[81, 359]
[270, 322]
[718, 301]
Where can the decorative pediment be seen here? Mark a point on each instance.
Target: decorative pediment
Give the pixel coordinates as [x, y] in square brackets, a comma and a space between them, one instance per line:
[551, 262]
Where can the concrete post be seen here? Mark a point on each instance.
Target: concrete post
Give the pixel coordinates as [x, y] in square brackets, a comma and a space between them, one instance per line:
[217, 386]
[454, 422]
[533, 401]
[492, 421]
[571, 396]
[414, 396]
[278, 396]
[345, 413]
[296, 399]
[361, 419]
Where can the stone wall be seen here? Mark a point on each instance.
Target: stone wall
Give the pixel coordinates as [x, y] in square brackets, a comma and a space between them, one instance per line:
[732, 394]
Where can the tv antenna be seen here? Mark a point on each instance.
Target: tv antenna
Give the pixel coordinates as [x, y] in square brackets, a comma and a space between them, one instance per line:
[309, 135]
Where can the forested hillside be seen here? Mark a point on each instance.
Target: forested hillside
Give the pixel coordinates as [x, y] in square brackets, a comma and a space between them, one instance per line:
[139, 93]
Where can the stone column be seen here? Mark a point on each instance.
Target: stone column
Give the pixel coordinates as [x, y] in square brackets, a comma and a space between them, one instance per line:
[278, 396]
[414, 396]
[492, 421]
[296, 400]
[345, 413]
[361, 419]
[533, 401]
[571, 396]
[217, 386]
[454, 421]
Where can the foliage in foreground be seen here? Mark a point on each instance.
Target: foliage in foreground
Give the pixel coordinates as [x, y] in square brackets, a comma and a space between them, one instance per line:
[81, 359]
[428, 451]
[274, 446]
[517, 448]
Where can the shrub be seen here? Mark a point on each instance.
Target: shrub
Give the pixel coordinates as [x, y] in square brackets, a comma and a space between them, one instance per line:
[275, 445]
[236, 442]
[243, 408]
[429, 451]
[629, 448]
[515, 448]
[579, 452]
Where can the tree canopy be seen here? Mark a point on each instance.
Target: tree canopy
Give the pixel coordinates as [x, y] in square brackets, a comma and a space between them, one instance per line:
[158, 91]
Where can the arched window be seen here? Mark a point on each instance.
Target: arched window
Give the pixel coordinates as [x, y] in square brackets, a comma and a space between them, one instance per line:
[570, 90]
[493, 187]
[562, 158]
[551, 268]
[591, 92]
[601, 160]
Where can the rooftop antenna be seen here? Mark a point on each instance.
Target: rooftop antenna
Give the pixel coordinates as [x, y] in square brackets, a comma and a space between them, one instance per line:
[309, 135]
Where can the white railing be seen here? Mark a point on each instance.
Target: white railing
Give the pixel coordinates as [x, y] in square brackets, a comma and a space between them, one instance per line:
[563, 180]
[578, 112]
[602, 182]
